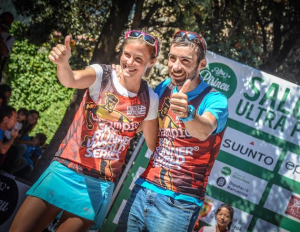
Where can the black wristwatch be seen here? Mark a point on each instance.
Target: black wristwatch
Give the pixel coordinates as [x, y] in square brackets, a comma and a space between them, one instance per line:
[192, 114]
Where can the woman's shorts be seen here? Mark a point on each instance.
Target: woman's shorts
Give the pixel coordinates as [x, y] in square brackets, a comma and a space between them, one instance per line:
[74, 192]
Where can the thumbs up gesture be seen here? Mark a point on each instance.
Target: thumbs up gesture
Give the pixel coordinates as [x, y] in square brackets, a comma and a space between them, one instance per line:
[61, 53]
[179, 101]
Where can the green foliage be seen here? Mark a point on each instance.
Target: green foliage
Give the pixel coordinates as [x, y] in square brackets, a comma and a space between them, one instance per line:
[35, 86]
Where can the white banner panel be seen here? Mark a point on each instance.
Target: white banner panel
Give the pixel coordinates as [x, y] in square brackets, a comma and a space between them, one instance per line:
[250, 149]
[261, 100]
[237, 182]
[264, 226]
[290, 167]
[241, 219]
[284, 202]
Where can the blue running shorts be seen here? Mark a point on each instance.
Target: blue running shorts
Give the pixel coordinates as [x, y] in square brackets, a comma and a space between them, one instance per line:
[74, 192]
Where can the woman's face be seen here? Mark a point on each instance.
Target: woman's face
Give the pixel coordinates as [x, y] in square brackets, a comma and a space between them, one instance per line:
[32, 118]
[223, 217]
[21, 117]
[136, 59]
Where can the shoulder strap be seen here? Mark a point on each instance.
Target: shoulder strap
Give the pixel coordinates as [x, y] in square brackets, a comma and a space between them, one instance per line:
[106, 75]
[197, 100]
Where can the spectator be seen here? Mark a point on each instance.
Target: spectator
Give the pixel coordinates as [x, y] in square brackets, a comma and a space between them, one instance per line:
[31, 157]
[224, 217]
[32, 120]
[2, 99]
[6, 40]
[22, 115]
[14, 159]
[8, 119]
[6, 91]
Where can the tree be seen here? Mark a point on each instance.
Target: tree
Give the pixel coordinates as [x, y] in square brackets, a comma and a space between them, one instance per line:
[262, 34]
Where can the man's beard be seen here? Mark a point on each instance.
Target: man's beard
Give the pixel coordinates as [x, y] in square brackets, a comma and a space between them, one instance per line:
[191, 76]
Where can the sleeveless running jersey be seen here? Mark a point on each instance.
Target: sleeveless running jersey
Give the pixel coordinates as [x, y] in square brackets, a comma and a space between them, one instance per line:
[180, 162]
[100, 134]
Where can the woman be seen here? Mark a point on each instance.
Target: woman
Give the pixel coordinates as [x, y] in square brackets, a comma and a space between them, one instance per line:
[224, 216]
[80, 180]
[31, 121]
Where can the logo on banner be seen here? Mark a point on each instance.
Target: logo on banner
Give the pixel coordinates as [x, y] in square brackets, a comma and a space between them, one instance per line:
[9, 195]
[221, 181]
[293, 208]
[205, 210]
[226, 171]
[220, 77]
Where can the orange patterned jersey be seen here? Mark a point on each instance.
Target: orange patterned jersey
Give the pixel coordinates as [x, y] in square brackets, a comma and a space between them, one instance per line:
[180, 162]
[100, 134]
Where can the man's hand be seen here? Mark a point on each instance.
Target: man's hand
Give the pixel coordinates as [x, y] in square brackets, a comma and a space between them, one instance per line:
[179, 101]
[61, 53]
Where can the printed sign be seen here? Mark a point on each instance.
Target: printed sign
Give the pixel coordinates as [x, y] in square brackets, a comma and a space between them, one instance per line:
[12, 195]
[290, 167]
[250, 149]
[289, 204]
[220, 77]
[263, 101]
[8, 198]
[237, 182]
[264, 226]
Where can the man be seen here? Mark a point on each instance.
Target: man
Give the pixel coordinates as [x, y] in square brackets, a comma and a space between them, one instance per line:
[8, 119]
[6, 40]
[169, 194]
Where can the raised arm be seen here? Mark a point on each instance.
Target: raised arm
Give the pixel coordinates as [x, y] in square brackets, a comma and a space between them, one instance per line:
[79, 79]
[203, 125]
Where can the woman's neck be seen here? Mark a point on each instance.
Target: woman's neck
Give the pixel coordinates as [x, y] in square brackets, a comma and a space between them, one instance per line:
[132, 85]
[221, 228]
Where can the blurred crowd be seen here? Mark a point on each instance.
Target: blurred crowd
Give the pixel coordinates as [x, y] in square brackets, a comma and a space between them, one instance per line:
[19, 152]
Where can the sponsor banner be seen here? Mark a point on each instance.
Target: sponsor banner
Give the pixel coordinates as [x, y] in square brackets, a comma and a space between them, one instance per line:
[255, 98]
[237, 182]
[262, 225]
[250, 149]
[287, 202]
[12, 195]
[241, 219]
[290, 167]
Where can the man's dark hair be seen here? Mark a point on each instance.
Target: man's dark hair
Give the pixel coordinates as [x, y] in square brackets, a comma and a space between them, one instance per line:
[42, 138]
[6, 111]
[5, 88]
[184, 41]
[5, 15]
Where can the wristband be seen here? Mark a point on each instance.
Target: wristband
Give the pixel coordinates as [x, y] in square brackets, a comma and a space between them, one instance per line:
[191, 114]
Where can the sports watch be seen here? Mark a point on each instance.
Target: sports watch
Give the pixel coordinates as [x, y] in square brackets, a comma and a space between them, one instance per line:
[192, 114]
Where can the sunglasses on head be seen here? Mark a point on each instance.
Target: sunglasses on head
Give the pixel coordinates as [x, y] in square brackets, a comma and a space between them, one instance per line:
[149, 39]
[193, 37]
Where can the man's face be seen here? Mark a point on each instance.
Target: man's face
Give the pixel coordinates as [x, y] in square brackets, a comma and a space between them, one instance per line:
[182, 64]
[11, 122]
